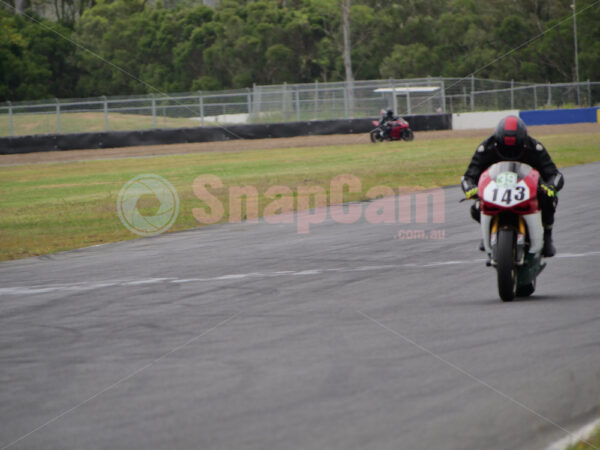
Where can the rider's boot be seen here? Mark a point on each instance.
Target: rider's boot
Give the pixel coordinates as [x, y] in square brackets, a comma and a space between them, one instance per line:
[548, 249]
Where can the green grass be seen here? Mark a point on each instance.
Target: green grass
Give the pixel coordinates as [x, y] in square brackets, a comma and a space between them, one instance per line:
[24, 124]
[60, 206]
[592, 443]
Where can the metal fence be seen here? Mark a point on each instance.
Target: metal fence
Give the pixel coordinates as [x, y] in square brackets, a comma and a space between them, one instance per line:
[288, 102]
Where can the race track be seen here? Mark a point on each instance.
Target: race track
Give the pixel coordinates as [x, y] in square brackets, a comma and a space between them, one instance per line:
[252, 336]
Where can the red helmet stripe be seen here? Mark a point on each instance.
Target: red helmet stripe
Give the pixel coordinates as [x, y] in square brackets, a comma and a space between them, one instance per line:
[510, 140]
[510, 124]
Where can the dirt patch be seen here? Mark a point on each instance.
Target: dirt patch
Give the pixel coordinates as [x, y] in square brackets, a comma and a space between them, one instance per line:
[267, 144]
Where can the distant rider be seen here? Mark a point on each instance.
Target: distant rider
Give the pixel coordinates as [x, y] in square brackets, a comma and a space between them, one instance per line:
[384, 123]
[511, 142]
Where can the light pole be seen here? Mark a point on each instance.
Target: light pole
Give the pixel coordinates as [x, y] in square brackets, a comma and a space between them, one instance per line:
[575, 46]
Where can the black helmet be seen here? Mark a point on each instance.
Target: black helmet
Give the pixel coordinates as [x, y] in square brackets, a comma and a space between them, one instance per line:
[510, 135]
[390, 113]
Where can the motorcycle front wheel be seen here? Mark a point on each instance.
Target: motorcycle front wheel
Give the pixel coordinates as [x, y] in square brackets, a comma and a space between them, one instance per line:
[505, 265]
[376, 136]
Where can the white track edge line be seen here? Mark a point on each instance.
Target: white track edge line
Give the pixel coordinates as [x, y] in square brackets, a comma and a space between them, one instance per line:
[583, 433]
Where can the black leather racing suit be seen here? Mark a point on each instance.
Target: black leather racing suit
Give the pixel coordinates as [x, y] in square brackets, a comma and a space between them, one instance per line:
[534, 154]
[384, 123]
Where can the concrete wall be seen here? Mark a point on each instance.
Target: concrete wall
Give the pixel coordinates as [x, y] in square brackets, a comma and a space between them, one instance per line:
[479, 120]
[225, 118]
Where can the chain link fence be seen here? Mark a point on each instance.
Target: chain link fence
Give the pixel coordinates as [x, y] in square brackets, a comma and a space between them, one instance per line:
[288, 102]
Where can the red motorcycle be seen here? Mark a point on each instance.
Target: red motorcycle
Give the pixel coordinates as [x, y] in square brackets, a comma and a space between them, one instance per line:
[399, 129]
[511, 225]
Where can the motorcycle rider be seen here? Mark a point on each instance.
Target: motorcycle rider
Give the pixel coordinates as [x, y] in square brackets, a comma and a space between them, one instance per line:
[384, 123]
[511, 142]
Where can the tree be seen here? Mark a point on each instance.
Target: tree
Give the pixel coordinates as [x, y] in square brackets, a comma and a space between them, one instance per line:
[409, 61]
[345, 4]
[136, 46]
[35, 61]
[20, 6]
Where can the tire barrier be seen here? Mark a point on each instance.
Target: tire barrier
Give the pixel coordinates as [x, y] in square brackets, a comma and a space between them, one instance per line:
[114, 139]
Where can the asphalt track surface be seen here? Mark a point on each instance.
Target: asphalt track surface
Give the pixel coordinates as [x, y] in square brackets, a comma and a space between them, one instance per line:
[252, 336]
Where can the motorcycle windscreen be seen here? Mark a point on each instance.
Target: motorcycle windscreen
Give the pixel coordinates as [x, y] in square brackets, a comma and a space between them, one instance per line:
[521, 169]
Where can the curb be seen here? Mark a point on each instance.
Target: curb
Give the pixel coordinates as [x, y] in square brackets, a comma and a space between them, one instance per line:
[583, 433]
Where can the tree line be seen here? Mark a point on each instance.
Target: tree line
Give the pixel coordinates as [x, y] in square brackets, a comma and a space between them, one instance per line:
[123, 47]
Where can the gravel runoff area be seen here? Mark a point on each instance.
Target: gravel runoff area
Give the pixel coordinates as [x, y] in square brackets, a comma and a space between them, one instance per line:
[273, 143]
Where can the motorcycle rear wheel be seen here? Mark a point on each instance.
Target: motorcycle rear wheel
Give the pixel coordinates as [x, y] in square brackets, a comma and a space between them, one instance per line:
[505, 265]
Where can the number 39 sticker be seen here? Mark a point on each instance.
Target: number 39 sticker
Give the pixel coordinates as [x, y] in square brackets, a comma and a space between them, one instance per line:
[507, 180]
[506, 196]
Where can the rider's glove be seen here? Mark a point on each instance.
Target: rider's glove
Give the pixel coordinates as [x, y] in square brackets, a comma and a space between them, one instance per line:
[468, 187]
[548, 189]
[472, 193]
